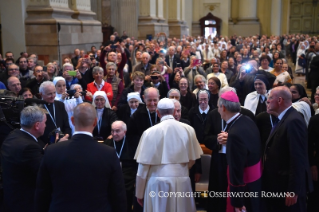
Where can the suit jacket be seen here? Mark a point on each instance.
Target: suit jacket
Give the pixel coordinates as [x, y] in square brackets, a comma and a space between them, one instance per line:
[74, 61]
[124, 113]
[286, 166]
[313, 140]
[62, 121]
[175, 61]
[85, 177]
[20, 156]
[108, 117]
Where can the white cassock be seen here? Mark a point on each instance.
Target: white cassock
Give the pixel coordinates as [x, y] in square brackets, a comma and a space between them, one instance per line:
[252, 99]
[165, 153]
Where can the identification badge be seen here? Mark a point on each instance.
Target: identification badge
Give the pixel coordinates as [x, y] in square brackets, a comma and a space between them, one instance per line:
[121, 164]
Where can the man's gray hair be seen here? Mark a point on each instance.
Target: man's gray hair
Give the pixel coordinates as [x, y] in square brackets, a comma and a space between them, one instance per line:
[73, 86]
[67, 65]
[165, 112]
[109, 64]
[44, 85]
[173, 90]
[172, 47]
[97, 69]
[147, 90]
[30, 115]
[317, 88]
[202, 78]
[146, 53]
[225, 89]
[124, 127]
[176, 101]
[32, 58]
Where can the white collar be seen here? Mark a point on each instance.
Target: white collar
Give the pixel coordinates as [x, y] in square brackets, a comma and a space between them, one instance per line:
[133, 110]
[283, 113]
[99, 86]
[205, 111]
[83, 132]
[29, 134]
[232, 118]
[167, 117]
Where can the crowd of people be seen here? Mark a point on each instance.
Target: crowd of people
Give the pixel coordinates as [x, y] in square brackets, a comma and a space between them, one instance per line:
[235, 94]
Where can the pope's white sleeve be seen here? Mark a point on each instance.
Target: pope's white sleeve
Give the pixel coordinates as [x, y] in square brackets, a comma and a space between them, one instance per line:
[141, 180]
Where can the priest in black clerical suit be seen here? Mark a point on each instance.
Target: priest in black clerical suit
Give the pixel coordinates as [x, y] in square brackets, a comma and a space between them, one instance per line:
[57, 117]
[125, 149]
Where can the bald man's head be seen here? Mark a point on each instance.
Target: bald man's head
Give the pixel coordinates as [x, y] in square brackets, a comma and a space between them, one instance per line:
[84, 116]
[278, 100]
[14, 84]
[284, 92]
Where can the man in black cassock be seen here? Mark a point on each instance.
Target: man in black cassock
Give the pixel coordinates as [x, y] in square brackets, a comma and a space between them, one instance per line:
[242, 154]
[218, 164]
[125, 150]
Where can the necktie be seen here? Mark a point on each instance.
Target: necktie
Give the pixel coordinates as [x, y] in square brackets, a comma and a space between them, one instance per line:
[204, 116]
[262, 98]
[275, 121]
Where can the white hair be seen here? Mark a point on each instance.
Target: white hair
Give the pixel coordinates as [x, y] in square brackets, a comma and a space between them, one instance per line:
[45, 85]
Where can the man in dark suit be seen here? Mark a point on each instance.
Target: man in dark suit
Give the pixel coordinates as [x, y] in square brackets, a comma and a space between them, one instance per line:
[21, 155]
[286, 166]
[171, 58]
[86, 176]
[76, 57]
[57, 117]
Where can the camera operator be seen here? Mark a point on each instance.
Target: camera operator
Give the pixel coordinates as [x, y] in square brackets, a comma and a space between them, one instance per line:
[21, 154]
[158, 81]
[57, 117]
[245, 82]
[70, 98]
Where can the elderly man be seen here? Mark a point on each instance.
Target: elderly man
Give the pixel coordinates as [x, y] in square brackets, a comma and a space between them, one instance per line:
[145, 117]
[71, 79]
[80, 174]
[57, 117]
[125, 149]
[178, 112]
[286, 166]
[200, 82]
[245, 83]
[157, 157]
[40, 77]
[24, 71]
[144, 66]
[256, 100]
[14, 85]
[31, 64]
[76, 57]
[243, 154]
[21, 155]
[172, 59]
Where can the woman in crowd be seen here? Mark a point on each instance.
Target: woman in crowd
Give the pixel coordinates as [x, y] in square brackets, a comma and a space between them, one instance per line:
[99, 85]
[134, 102]
[214, 86]
[105, 116]
[191, 71]
[164, 69]
[264, 63]
[188, 99]
[26, 93]
[137, 86]
[200, 82]
[63, 96]
[51, 70]
[216, 73]
[282, 76]
[174, 83]
[300, 55]
[116, 82]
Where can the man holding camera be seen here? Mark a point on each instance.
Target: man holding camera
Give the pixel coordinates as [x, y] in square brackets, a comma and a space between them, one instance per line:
[21, 154]
[158, 81]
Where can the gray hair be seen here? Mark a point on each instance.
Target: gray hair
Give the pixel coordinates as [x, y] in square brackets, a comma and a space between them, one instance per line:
[30, 115]
[164, 112]
[172, 47]
[67, 65]
[200, 76]
[172, 90]
[109, 64]
[146, 53]
[225, 89]
[32, 58]
[233, 107]
[124, 127]
[73, 86]
[176, 101]
[147, 90]
[97, 69]
[44, 85]
[317, 88]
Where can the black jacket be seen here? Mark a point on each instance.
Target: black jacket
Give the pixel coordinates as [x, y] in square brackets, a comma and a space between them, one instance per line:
[124, 113]
[123, 99]
[20, 156]
[86, 176]
[108, 117]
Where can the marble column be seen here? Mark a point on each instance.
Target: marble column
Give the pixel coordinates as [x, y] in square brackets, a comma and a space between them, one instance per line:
[244, 19]
[196, 29]
[275, 17]
[177, 26]
[52, 31]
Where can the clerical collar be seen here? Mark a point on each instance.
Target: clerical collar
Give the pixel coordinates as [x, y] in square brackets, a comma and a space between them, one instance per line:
[29, 134]
[167, 117]
[133, 110]
[232, 118]
[205, 111]
[283, 113]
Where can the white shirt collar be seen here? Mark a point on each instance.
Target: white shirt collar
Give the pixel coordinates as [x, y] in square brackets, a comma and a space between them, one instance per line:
[83, 132]
[232, 118]
[133, 110]
[205, 111]
[167, 117]
[99, 87]
[30, 134]
[283, 113]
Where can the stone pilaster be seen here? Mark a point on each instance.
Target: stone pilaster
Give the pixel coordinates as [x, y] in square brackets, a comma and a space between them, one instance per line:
[276, 17]
[177, 26]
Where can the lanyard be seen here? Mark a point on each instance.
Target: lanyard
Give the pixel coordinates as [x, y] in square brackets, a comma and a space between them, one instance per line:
[119, 155]
[99, 125]
[272, 125]
[150, 118]
[53, 119]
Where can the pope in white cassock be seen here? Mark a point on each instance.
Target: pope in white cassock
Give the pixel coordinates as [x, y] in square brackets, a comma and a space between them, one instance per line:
[165, 153]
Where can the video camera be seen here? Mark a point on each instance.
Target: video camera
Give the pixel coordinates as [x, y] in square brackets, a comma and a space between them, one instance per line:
[72, 92]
